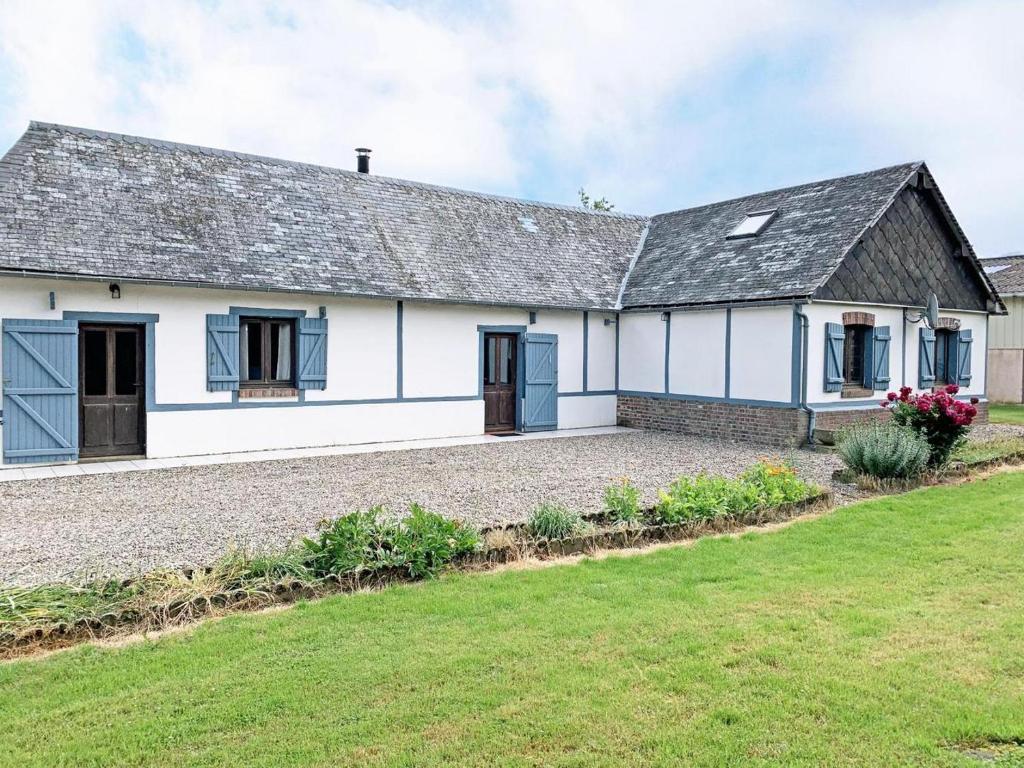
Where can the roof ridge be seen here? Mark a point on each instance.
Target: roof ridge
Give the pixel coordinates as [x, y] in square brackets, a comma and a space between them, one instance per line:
[363, 177]
[908, 165]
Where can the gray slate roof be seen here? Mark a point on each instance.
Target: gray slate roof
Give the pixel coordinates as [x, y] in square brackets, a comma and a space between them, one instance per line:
[686, 258]
[83, 202]
[1007, 273]
[92, 204]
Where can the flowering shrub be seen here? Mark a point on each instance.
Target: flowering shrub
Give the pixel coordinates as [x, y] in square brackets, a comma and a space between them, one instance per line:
[938, 417]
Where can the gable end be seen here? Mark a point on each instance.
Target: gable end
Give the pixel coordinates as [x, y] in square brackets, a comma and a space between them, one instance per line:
[910, 252]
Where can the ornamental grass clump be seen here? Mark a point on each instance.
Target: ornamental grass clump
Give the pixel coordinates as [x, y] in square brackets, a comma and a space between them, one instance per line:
[155, 600]
[554, 521]
[884, 451]
[706, 497]
[622, 502]
[938, 417]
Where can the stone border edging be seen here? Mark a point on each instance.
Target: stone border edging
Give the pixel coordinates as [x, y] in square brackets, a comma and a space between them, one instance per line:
[14, 643]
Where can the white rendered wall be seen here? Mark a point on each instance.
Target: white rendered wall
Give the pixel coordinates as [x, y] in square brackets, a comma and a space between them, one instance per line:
[697, 354]
[642, 352]
[601, 355]
[577, 412]
[440, 360]
[905, 343]
[182, 433]
[761, 354]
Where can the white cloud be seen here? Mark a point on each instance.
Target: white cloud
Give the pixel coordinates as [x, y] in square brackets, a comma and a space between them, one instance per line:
[945, 84]
[639, 101]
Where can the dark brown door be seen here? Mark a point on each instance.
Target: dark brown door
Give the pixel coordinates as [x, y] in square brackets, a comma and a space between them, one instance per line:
[111, 390]
[500, 382]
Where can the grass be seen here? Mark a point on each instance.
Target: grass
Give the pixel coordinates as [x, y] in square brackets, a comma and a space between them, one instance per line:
[876, 635]
[986, 450]
[1006, 413]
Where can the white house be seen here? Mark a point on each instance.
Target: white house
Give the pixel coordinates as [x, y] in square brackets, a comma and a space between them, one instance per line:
[161, 299]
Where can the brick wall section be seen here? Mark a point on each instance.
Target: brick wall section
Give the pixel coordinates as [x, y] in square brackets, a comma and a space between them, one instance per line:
[833, 420]
[780, 427]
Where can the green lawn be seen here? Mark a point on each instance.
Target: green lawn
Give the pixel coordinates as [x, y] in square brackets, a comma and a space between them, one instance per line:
[1005, 413]
[868, 637]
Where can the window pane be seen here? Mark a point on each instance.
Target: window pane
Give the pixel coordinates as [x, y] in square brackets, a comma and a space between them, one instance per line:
[281, 351]
[853, 355]
[254, 348]
[95, 363]
[125, 363]
[490, 348]
[945, 363]
[506, 360]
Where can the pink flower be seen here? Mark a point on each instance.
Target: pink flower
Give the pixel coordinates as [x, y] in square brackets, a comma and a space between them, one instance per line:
[952, 389]
[891, 396]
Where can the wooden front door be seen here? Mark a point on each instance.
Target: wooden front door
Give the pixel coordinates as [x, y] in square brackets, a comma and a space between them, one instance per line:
[500, 353]
[112, 390]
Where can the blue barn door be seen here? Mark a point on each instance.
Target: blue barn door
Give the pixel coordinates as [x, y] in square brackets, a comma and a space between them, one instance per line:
[40, 387]
[540, 410]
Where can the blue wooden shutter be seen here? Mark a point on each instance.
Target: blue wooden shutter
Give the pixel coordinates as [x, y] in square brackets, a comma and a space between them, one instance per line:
[880, 357]
[835, 337]
[540, 409]
[926, 359]
[963, 358]
[221, 352]
[312, 368]
[40, 386]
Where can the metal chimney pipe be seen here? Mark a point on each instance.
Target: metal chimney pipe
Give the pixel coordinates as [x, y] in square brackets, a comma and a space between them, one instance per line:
[363, 159]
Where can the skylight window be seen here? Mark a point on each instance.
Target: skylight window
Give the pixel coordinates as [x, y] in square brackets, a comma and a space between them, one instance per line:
[752, 225]
[996, 268]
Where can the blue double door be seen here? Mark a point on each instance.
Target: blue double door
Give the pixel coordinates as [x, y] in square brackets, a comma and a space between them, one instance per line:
[72, 391]
[520, 382]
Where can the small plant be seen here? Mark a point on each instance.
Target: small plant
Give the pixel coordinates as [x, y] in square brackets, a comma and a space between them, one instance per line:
[554, 521]
[622, 502]
[938, 417]
[421, 544]
[706, 497]
[426, 542]
[884, 451]
[350, 544]
[775, 483]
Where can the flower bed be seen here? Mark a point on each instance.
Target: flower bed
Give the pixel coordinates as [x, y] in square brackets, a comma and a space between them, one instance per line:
[364, 550]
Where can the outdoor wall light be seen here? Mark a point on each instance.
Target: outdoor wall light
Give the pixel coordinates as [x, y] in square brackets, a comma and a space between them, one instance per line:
[608, 321]
[115, 291]
[53, 299]
[533, 318]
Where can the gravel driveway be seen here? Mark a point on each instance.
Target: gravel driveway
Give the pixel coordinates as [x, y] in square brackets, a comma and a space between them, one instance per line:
[130, 521]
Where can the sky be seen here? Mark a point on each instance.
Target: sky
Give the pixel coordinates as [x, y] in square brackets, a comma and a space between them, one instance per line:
[656, 105]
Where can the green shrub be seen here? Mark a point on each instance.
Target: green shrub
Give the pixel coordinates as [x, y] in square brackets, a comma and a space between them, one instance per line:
[706, 497]
[425, 542]
[885, 451]
[351, 544]
[775, 483]
[359, 542]
[554, 521]
[622, 502]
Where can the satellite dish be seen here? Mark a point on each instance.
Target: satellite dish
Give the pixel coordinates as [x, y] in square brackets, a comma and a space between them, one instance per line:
[933, 311]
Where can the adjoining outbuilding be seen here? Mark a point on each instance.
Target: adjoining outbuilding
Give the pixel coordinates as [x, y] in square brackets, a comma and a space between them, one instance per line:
[162, 299]
[1006, 345]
